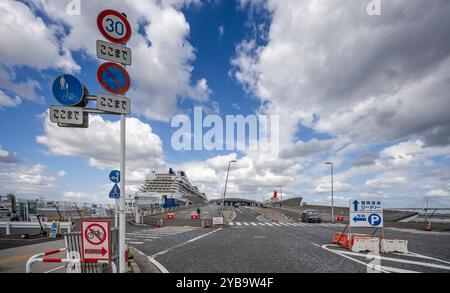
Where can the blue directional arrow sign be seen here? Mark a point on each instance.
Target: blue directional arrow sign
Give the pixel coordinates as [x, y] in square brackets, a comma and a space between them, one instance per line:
[68, 90]
[355, 205]
[114, 176]
[115, 192]
[359, 218]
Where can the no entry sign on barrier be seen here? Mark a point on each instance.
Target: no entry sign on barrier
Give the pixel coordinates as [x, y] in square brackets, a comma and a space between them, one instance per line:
[96, 243]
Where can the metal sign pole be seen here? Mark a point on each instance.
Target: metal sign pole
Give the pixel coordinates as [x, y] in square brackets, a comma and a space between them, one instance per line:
[122, 215]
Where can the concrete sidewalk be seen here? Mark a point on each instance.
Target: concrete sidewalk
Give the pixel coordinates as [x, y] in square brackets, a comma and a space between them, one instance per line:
[13, 260]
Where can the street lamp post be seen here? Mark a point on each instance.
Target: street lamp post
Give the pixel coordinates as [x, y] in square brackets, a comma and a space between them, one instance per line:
[332, 192]
[226, 182]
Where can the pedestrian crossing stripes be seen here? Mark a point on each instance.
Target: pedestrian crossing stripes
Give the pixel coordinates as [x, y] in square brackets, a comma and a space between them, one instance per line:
[266, 224]
[141, 236]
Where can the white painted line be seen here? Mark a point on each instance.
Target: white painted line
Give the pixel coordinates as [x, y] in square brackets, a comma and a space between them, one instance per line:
[238, 223]
[184, 243]
[399, 260]
[231, 223]
[276, 224]
[284, 224]
[158, 265]
[245, 223]
[136, 243]
[268, 224]
[355, 260]
[253, 224]
[261, 224]
[55, 269]
[153, 261]
[397, 270]
[412, 254]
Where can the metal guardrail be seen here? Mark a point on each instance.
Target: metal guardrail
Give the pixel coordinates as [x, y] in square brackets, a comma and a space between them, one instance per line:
[33, 225]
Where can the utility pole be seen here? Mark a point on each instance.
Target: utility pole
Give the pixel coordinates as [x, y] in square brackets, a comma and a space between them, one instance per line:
[226, 182]
[332, 192]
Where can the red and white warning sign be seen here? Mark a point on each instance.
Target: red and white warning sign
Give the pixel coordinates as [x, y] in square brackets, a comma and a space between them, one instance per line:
[95, 240]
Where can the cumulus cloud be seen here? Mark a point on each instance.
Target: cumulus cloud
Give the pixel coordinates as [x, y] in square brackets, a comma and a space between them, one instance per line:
[8, 157]
[100, 144]
[351, 74]
[387, 182]
[6, 101]
[25, 180]
[438, 193]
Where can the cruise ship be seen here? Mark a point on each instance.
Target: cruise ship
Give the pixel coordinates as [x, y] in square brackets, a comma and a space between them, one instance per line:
[173, 189]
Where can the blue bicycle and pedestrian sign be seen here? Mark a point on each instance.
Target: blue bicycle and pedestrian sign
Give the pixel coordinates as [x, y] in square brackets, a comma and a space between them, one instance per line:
[68, 90]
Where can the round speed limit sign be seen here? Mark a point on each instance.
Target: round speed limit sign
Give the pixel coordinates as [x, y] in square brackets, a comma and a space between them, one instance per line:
[114, 26]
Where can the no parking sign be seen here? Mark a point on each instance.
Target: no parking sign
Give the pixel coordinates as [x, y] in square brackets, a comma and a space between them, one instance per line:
[95, 240]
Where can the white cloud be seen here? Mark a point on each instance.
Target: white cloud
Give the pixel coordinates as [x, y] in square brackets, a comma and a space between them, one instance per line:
[25, 180]
[100, 145]
[7, 157]
[6, 101]
[339, 71]
[337, 187]
[61, 173]
[438, 193]
[21, 30]
[386, 182]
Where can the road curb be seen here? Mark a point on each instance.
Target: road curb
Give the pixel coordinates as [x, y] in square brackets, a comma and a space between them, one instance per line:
[144, 263]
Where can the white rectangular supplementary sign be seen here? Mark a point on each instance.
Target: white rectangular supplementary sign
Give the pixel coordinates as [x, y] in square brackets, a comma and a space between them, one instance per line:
[66, 115]
[114, 52]
[114, 104]
[218, 221]
[366, 213]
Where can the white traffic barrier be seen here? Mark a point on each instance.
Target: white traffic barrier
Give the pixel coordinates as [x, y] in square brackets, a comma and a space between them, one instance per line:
[32, 225]
[359, 244]
[37, 258]
[394, 245]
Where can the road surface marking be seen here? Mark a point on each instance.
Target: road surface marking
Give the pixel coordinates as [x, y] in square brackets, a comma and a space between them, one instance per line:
[184, 243]
[276, 224]
[231, 223]
[355, 260]
[55, 269]
[253, 224]
[136, 243]
[238, 223]
[245, 223]
[262, 224]
[399, 260]
[284, 224]
[268, 224]
[153, 261]
[412, 254]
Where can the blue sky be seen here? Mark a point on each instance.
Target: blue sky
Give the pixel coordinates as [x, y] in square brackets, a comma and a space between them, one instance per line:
[348, 87]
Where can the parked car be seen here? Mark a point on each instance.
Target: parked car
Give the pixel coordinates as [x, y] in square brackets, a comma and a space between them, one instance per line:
[311, 216]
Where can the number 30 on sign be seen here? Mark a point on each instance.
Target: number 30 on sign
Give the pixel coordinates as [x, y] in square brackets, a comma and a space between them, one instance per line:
[114, 26]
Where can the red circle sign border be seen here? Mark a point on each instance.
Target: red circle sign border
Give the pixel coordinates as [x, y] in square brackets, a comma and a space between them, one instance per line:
[96, 225]
[106, 65]
[102, 30]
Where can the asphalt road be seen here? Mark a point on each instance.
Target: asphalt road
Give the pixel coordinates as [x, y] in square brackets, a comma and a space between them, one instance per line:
[302, 248]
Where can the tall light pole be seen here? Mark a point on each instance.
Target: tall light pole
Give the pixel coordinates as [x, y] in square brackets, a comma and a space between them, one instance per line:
[226, 182]
[332, 192]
